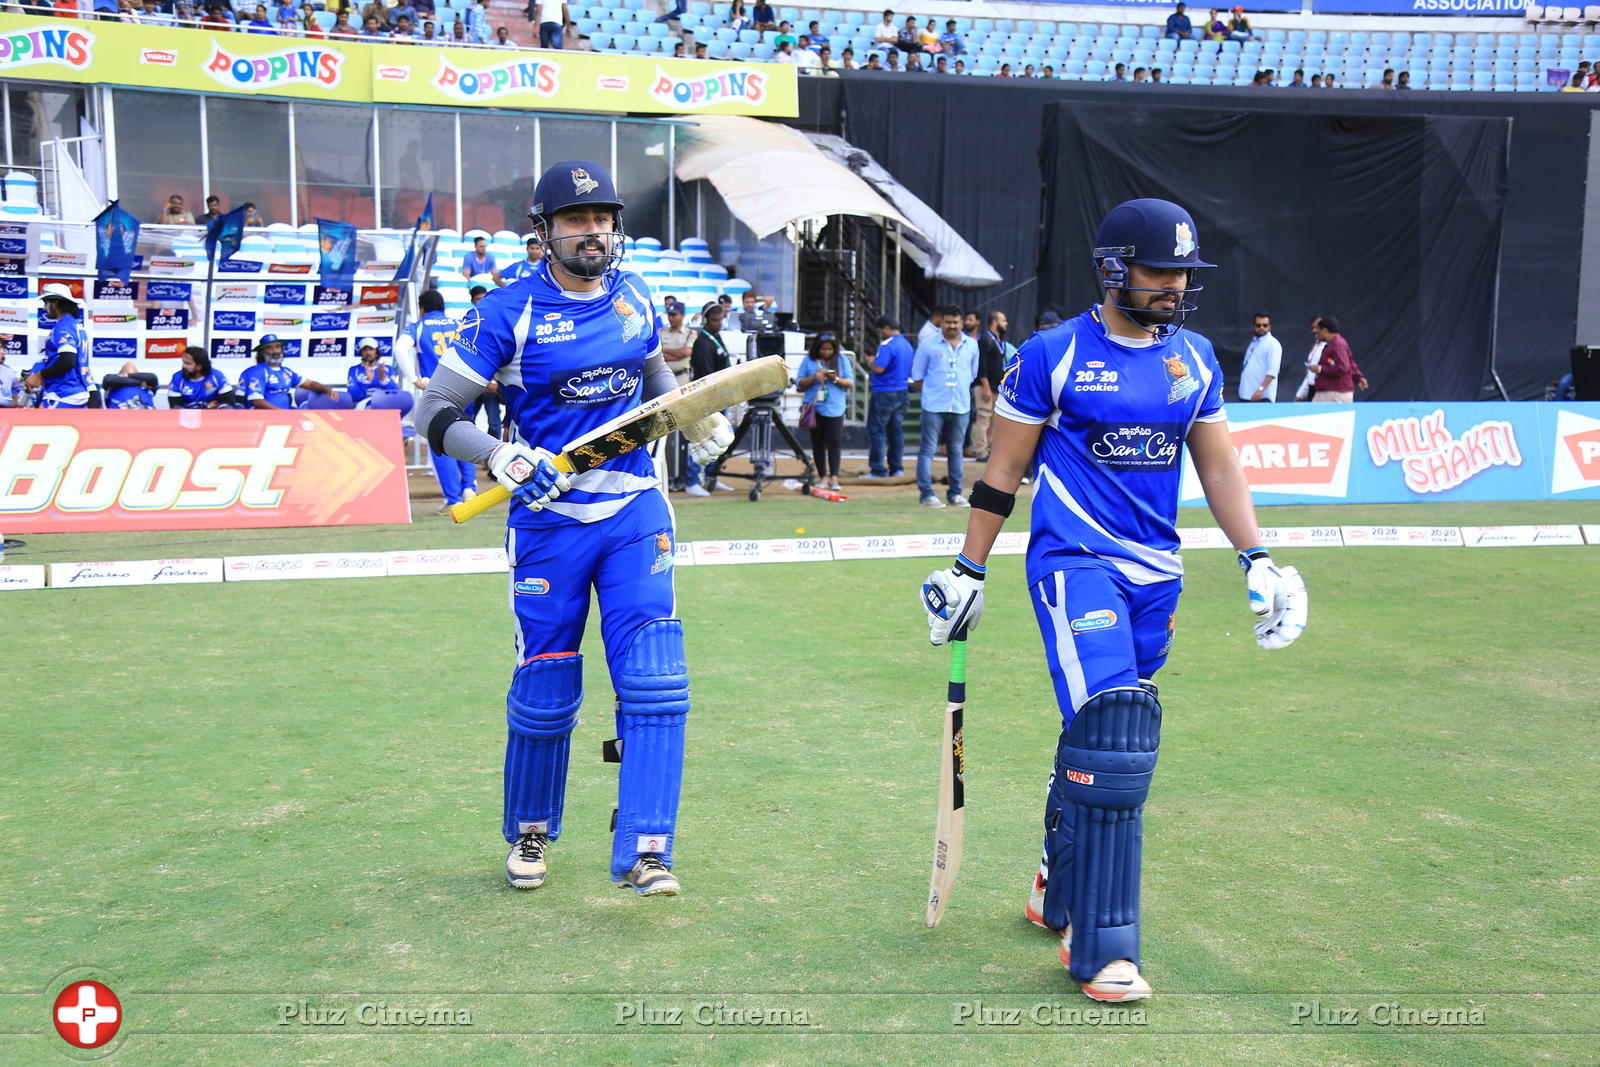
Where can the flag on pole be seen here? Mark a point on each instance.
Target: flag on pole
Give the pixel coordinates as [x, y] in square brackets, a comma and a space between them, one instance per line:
[225, 232]
[116, 235]
[424, 222]
[338, 241]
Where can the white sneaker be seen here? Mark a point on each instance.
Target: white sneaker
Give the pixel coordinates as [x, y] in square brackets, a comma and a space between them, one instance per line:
[468, 494]
[525, 863]
[1034, 911]
[959, 501]
[931, 502]
[697, 490]
[1117, 981]
[721, 488]
[649, 877]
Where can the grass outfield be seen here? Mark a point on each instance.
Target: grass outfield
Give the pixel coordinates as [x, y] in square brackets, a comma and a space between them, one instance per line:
[247, 806]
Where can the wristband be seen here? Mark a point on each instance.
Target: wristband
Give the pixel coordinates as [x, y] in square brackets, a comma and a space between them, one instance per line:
[986, 497]
[1250, 555]
[967, 568]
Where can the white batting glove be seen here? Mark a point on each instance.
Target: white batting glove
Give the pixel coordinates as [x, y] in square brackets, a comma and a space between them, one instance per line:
[708, 438]
[1277, 595]
[528, 473]
[953, 600]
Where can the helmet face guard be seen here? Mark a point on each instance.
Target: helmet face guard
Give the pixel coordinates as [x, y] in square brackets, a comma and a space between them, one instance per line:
[1156, 235]
[578, 183]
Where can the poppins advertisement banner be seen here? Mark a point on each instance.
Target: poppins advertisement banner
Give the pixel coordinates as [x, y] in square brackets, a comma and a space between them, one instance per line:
[1406, 453]
[69, 471]
[164, 57]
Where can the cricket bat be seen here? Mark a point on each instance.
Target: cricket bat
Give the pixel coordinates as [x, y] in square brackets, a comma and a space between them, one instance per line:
[683, 406]
[949, 834]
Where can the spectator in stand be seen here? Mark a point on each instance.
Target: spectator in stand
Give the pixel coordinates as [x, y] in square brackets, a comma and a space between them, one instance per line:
[1327, 81]
[1316, 81]
[1119, 73]
[252, 217]
[423, 9]
[874, 62]
[942, 372]
[259, 23]
[1179, 28]
[1139, 75]
[678, 52]
[886, 401]
[522, 268]
[375, 9]
[885, 36]
[403, 31]
[1258, 379]
[805, 57]
[950, 41]
[1385, 82]
[1299, 79]
[372, 377]
[1259, 80]
[477, 293]
[174, 214]
[1338, 374]
[941, 65]
[826, 378]
[763, 18]
[1575, 85]
[341, 26]
[992, 349]
[308, 26]
[700, 50]
[478, 23]
[372, 29]
[269, 384]
[676, 11]
[738, 18]
[406, 8]
[1403, 80]
[543, 12]
[818, 38]
[129, 389]
[198, 385]
[1216, 29]
[1004, 71]
[1239, 26]
[847, 59]
[1048, 74]
[502, 38]
[825, 63]
[1027, 71]
[784, 54]
[785, 33]
[909, 39]
[458, 32]
[1155, 75]
[215, 20]
[929, 39]
[430, 33]
[479, 261]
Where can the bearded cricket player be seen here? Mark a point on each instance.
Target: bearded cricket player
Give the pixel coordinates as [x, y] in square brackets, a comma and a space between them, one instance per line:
[573, 345]
[1105, 404]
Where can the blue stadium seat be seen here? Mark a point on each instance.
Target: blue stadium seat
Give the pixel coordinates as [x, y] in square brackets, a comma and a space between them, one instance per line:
[1024, 26]
[1094, 69]
[1005, 25]
[1278, 36]
[1045, 27]
[1481, 80]
[982, 25]
[855, 18]
[724, 34]
[624, 42]
[751, 37]
[1317, 37]
[1150, 33]
[601, 42]
[656, 29]
[740, 50]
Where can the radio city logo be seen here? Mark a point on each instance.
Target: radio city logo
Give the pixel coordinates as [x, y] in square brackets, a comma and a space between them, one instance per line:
[1434, 460]
[538, 77]
[47, 46]
[273, 70]
[706, 90]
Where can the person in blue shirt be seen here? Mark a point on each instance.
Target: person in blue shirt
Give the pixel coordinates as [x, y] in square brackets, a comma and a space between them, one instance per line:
[524, 267]
[950, 41]
[372, 376]
[1106, 403]
[419, 349]
[269, 384]
[943, 371]
[1178, 25]
[62, 373]
[886, 401]
[574, 346]
[130, 389]
[198, 384]
[826, 377]
[479, 261]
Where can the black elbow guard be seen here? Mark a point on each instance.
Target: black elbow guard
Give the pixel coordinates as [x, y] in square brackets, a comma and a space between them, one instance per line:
[986, 497]
[439, 424]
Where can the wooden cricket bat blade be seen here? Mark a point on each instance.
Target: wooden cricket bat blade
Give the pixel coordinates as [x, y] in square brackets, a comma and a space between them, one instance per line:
[949, 834]
[653, 419]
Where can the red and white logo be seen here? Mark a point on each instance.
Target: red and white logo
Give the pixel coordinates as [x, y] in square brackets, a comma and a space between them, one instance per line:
[1576, 463]
[158, 57]
[87, 1014]
[1432, 459]
[1307, 455]
[394, 74]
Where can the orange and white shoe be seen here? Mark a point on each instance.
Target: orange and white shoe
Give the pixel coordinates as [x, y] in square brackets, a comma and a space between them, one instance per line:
[1034, 912]
[1117, 981]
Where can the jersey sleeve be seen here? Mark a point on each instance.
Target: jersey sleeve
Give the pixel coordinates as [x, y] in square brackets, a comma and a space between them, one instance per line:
[481, 346]
[638, 290]
[250, 382]
[1027, 394]
[295, 379]
[66, 337]
[1211, 408]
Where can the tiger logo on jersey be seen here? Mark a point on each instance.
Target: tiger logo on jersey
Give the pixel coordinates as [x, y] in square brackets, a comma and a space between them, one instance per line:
[1178, 377]
[632, 321]
[582, 184]
[1183, 240]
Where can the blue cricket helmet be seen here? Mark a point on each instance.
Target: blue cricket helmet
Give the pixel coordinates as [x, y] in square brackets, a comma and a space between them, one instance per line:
[577, 183]
[1149, 233]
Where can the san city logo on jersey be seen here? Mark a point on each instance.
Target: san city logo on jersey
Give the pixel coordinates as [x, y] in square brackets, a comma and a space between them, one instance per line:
[532, 587]
[274, 70]
[582, 184]
[632, 321]
[707, 90]
[1138, 446]
[1090, 380]
[1104, 619]
[47, 46]
[536, 77]
[1183, 384]
[603, 384]
[664, 553]
[1576, 459]
[1435, 460]
[1182, 240]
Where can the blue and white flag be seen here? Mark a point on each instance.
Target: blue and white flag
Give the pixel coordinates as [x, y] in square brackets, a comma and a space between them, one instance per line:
[225, 232]
[338, 241]
[424, 222]
[116, 234]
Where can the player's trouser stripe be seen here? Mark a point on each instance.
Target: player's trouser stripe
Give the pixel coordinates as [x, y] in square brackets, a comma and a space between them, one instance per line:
[1052, 593]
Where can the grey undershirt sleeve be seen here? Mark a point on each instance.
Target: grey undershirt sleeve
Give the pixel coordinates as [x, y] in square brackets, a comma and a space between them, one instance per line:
[449, 391]
[658, 377]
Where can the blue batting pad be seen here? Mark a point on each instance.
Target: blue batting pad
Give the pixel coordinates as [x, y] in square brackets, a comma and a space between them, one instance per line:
[541, 711]
[1094, 826]
[652, 704]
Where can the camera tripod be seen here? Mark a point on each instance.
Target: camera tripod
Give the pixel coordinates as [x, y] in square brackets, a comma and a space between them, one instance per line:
[755, 433]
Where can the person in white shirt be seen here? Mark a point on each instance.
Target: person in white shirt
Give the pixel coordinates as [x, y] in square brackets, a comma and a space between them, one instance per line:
[1259, 379]
[887, 33]
[1313, 361]
[804, 57]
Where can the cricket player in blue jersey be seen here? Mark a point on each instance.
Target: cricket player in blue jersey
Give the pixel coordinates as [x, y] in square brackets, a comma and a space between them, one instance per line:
[524, 267]
[269, 384]
[130, 389]
[574, 346]
[63, 371]
[198, 384]
[419, 348]
[1106, 403]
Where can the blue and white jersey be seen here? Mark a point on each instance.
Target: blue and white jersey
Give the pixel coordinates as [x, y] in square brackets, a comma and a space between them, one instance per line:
[275, 385]
[1110, 458]
[72, 388]
[432, 334]
[198, 392]
[130, 398]
[567, 363]
[519, 270]
[362, 387]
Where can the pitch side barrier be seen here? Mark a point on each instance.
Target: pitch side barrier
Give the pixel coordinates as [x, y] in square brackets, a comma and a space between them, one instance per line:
[429, 561]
